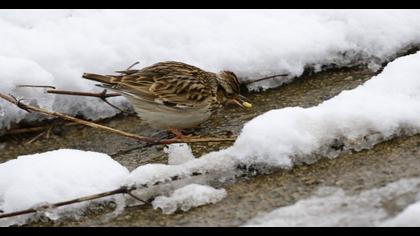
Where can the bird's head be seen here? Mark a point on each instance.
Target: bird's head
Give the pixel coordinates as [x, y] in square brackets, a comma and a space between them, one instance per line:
[229, 90]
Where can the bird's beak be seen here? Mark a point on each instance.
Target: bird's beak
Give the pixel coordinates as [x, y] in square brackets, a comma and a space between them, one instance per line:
[241, 101]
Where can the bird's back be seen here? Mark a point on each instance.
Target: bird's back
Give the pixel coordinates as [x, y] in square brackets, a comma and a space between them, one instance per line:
[165, 88]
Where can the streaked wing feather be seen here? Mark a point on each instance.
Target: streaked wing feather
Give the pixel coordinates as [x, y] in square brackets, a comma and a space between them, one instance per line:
[169, 83]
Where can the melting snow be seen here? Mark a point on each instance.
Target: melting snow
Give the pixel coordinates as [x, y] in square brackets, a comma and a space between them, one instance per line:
[179, 153]
[333, 207]
[187, 197]
[55, 47]
[56, 176]
[70, 42]
[386, 106]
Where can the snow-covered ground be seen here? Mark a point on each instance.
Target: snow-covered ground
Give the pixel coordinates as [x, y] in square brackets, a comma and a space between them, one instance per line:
[54, 47]
[386, 106]
[333, 207]
[55, 176]
[187, 197]
[62, 175]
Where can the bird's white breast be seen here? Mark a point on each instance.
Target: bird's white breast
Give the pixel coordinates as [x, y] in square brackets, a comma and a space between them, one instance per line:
[162, 117]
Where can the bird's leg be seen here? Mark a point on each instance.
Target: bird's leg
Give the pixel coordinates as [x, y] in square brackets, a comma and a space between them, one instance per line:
[178, 133]
[185, 134]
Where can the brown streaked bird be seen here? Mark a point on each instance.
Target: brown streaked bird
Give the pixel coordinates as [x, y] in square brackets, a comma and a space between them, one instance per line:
[174, 95]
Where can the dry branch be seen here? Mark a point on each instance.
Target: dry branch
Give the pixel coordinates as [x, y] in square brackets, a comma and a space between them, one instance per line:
[101, 95]
[35, 86]
[149, 140]
[122, 190]
[264, 78]
[35, 129]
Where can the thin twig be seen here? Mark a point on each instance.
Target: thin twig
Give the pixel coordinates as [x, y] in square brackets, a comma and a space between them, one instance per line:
[76, 120]
[150, 140]
[35, 86]
[128, 71]
[101, 95]
[135, 63]
[49, 130]
[125, 151]
[34, 129]
[24, 130]
[35, 138]
[131, 194]
[265, 78]
[120, 190]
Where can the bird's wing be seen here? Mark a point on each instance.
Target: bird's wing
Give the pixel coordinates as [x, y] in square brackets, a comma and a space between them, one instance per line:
[174, 85]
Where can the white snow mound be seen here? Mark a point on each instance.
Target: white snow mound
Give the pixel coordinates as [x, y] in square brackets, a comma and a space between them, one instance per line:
[179, 153]
[55, 47]
[386, 106]
[56, 176]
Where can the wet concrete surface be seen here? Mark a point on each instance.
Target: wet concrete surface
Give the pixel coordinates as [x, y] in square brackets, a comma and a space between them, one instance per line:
[385, 163]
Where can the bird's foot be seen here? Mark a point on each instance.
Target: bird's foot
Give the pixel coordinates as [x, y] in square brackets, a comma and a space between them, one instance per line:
[178, 133]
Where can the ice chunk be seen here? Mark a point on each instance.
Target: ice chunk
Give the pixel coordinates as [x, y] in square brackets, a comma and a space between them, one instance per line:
[179, 153]
[187, 197]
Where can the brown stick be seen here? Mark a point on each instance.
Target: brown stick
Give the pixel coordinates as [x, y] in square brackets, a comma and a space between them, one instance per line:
[132, 65]
[150, 140]
[76, 120]
[53, 90]
[101, 95]
[76, 200]
[35, 86]
[121, 190]
[34, 129]
[265, 78]
[35, 138]
[24, 130]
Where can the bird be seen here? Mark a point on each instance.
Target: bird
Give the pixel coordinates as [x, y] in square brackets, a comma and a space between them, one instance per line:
[174, 95]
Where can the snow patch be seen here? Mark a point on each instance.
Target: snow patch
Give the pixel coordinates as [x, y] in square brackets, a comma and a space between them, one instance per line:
[410, 217]
[56, 176]
[187, 197]
[55, 47]
[386, 106]
[332, 207]
[178, 153]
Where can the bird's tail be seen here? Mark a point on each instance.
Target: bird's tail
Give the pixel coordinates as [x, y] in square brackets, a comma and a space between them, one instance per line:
[105, 79]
